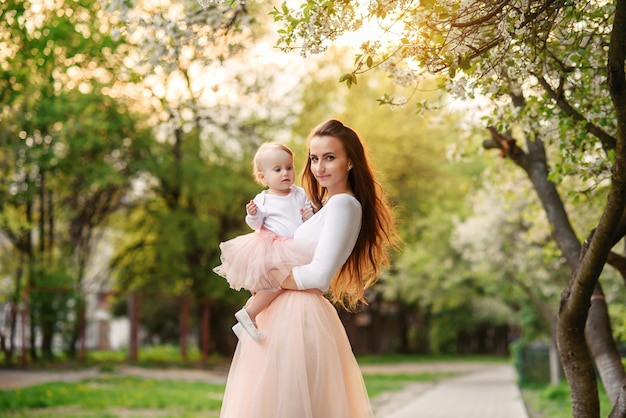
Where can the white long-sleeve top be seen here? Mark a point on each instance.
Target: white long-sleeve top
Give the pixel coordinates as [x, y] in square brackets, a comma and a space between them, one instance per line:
[279, 214]
[333, 230]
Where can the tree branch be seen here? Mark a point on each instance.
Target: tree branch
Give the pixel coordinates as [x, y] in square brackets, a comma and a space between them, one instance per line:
[618, 262]
[507, 146]
[483, 19]
[608, 141]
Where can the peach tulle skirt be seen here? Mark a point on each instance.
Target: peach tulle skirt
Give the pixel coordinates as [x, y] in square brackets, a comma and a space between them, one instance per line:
[246, 259]
[304, 368]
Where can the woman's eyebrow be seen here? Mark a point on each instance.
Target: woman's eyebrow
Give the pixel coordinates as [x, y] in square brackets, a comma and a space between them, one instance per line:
[323, 155]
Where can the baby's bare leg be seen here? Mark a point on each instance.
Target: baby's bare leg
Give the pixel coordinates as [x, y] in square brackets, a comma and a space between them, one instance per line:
[260, 301]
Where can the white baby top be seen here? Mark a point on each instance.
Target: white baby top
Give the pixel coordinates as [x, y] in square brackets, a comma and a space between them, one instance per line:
[333, 231]
[279, 214]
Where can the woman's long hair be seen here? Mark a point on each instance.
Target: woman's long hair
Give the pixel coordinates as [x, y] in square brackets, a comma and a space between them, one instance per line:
[378, 228]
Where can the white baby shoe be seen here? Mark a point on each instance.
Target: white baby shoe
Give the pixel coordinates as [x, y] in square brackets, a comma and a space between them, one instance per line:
[247, 324]
[238, 330]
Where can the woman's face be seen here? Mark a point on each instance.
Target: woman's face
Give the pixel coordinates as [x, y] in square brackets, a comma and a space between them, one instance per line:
[330, 164]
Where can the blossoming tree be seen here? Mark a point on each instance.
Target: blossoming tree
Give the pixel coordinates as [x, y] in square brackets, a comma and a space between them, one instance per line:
[555, 73]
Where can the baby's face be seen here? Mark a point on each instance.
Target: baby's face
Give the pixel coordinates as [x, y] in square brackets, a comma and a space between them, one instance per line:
[278, 171]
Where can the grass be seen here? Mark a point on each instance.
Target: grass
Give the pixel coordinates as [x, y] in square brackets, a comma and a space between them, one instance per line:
[156, 356]
[412, 358]
[379, 383]
[547, 401]
[112, 397]
[160, 356]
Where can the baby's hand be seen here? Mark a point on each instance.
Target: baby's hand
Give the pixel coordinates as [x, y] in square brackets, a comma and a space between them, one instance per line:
[252, 208]
[306, 213]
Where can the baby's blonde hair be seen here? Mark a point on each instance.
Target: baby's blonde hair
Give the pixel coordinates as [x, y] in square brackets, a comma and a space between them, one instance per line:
[257, 161]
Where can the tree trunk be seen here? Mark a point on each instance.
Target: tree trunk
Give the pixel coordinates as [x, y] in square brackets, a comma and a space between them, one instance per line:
[555, 364]
[577, 296]
[599, 334]
[9, 340]
[205, 328]
[185, 302]
[31, 284]
[134, 307]
[15, 311]
[47, 316]
[599, 337]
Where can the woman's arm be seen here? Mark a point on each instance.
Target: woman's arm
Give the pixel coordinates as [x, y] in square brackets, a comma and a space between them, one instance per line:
[339, 233]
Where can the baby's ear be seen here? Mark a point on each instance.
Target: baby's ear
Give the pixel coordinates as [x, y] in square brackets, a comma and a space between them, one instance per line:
[260, 178]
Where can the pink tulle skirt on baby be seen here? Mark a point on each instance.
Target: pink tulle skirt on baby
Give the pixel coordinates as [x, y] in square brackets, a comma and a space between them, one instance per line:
[247, 259]
[304, 368]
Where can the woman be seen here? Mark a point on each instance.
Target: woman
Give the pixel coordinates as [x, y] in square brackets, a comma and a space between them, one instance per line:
[305, 367]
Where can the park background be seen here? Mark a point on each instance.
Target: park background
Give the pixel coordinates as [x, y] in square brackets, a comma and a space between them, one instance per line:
[126, 140]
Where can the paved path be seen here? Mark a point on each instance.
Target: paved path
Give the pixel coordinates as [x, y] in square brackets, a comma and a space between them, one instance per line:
[484, 390]
[488, 393]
